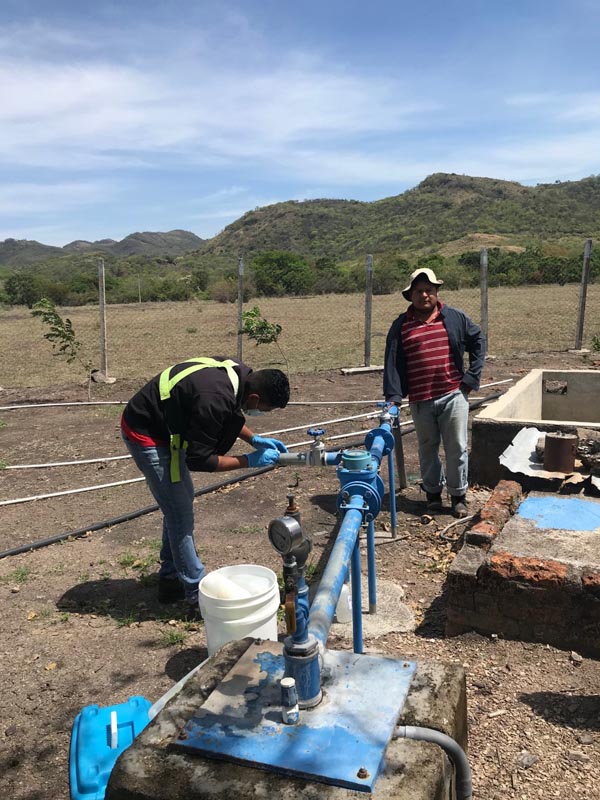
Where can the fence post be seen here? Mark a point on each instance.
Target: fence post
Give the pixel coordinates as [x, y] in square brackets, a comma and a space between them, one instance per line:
[102, 307]
[483, 288]
[585, 276]
[368, 308]
[240, 306]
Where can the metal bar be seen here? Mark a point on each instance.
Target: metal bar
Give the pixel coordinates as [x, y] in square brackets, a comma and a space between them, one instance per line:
[368, 308]
[585, 276]
[399, 454]
[483, 283]
[102, 309]
[240, 307]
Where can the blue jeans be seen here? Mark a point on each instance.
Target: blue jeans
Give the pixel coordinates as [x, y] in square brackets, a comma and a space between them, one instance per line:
[178, 555]
[444, 419]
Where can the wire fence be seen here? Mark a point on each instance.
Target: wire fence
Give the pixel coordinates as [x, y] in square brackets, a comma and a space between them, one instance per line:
[136, 340]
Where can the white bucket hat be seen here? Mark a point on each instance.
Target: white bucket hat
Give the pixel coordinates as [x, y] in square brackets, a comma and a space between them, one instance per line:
[427, 273]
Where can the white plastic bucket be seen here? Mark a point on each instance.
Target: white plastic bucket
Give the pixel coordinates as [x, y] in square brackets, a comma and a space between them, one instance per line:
[238, 601]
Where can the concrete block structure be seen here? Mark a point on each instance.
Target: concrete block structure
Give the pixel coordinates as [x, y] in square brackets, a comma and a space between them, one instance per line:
[550, 400]
[154, 768]
[533, 576]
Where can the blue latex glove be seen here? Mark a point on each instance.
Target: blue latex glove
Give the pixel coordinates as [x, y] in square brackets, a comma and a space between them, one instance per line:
[262, 458]
[263, 442]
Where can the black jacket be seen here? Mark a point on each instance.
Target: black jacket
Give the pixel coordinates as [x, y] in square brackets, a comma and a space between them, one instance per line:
[463, 334]
[202, 408]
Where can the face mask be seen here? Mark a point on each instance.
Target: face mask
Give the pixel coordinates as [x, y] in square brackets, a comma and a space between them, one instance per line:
[253, 412]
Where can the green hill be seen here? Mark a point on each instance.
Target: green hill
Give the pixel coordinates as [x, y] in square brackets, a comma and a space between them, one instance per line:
[19, 253]
[534, 234]
[441, 209]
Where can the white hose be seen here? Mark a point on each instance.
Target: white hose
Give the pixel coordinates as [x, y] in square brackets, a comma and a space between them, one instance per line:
[268, 433]
[68, 491]
[177, 687]
[67, 463]
[325, 422]
[78, 403]
[291, 403]
[137, 480]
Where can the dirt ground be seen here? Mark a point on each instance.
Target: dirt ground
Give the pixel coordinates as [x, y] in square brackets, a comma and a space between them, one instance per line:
[80, 624]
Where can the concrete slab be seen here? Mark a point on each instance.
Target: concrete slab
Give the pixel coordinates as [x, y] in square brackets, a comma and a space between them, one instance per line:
[153, 769]
[392, 613]
[571, 546]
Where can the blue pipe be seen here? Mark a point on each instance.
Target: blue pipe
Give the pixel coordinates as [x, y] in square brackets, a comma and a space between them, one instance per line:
[377, 448]
[357, 631]
[302, 611]
[371, 567]
[323, 606]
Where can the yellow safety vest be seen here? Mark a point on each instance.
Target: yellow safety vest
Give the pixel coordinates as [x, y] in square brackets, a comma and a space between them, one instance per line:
[165, 386]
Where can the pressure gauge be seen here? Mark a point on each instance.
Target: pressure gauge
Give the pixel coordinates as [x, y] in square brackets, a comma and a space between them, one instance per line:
[285, 534]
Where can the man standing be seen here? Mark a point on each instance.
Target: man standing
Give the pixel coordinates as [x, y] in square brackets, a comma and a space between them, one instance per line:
[187, 418]
[424, 360]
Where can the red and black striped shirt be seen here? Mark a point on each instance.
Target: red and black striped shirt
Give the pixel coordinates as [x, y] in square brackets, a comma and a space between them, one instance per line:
[430, 366]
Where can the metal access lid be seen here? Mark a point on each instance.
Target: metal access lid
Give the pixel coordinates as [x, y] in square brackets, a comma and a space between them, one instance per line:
[342, 741]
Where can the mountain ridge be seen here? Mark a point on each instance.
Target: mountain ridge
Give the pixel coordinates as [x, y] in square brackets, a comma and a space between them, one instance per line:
[441, 211]
[17, 252]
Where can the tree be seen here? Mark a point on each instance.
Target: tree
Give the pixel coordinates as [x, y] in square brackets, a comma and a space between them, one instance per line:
[62, 336]
[261, 331]
[22, 289]
[278, 272]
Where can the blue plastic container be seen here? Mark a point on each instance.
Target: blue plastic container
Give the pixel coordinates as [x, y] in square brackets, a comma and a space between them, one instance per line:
[98, 738]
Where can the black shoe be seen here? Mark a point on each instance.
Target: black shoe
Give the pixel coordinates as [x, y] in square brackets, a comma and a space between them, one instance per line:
[434, 501]
[192, 613]
[459, 506]
[170, 590]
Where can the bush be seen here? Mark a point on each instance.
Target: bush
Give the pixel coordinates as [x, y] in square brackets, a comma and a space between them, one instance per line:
[277, 273]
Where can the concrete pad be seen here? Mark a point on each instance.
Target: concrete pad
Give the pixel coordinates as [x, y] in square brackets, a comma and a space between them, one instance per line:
[392, 613]
[153, 769]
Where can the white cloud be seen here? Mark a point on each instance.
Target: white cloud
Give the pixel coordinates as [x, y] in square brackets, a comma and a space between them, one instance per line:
[566, 107]
[170, 101]
[35, 198]
[65, 111]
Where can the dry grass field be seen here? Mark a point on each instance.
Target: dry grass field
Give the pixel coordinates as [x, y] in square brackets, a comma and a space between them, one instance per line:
[79, 619]
[319, 333]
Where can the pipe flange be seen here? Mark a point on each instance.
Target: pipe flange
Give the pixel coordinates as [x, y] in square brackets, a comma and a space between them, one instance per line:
[387, 437]
[371, 493]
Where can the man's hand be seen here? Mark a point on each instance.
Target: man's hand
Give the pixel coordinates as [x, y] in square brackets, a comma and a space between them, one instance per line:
[262, 458]
[466, 390]
[263, 443]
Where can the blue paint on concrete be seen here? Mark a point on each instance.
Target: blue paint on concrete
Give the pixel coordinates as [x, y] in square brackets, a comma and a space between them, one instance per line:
[564, 513]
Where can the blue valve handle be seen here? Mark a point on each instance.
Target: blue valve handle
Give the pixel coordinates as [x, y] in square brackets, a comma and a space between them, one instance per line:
[315, 431]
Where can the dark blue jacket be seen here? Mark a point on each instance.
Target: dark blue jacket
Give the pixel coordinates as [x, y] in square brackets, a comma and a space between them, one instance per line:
[463, 335]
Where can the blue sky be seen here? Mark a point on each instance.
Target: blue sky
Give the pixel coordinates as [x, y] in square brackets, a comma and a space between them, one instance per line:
[129, 116]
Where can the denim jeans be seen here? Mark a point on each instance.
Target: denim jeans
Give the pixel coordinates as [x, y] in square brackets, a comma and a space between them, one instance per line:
[444, 419]
[178, 555]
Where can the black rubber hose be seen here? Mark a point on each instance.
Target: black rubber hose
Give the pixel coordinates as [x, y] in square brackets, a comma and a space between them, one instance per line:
[107, 523]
